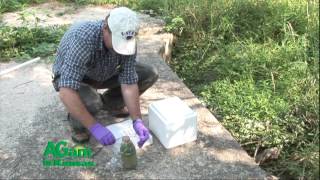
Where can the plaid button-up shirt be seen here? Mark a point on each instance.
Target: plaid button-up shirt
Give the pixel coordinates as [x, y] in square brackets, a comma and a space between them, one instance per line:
[82, 54]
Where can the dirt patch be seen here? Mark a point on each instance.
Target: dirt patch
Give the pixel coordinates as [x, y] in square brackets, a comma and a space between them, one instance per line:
[55, 13]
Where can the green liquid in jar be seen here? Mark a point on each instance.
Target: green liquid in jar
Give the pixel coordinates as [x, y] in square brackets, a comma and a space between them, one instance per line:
[128, 154]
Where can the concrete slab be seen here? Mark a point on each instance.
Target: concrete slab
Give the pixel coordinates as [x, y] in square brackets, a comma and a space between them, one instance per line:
[31, 114]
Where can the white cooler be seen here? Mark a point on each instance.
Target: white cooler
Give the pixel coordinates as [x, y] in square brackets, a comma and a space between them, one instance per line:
[173, 122]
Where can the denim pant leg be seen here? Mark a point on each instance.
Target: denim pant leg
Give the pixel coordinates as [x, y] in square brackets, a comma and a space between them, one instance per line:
[112, 98]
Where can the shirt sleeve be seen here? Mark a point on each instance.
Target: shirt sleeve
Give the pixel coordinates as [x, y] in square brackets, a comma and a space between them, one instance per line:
[128, 74]
[74, 66]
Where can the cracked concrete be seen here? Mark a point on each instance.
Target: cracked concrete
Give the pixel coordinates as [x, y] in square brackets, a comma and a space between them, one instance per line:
[31, 114]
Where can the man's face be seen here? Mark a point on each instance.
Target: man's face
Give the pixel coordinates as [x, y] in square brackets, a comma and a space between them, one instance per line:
[107, 38]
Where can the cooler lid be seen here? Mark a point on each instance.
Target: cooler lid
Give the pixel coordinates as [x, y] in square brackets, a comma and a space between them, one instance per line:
[173, 110]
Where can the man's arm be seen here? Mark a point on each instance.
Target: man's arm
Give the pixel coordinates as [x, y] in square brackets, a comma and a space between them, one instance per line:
[130, 93]
[128, 79]
[74, 105]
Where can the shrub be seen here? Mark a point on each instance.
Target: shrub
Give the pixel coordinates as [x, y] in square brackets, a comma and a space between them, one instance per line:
[175, 25]
[257, 68]
[26, 42]
[13, 5]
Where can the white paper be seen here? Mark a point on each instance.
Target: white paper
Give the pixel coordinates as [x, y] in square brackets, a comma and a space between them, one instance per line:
[125, 128]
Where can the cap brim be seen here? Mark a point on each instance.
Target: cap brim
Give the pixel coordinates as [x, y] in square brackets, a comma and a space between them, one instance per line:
[122, 46]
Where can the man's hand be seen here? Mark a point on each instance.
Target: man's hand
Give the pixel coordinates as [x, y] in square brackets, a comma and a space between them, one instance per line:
[102, 134]
[142, 131]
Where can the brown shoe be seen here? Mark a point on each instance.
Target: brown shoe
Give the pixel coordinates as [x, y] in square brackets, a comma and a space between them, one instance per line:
[79, 134]
[114, 109]
[119, 112]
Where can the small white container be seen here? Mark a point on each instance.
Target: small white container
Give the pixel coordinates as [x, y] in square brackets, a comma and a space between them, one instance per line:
[173, 122]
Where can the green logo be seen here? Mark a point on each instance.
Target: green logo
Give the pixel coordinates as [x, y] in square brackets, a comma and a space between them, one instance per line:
[58, 154]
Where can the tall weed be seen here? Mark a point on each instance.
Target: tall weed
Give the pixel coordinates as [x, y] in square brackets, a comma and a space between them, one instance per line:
[255, 64]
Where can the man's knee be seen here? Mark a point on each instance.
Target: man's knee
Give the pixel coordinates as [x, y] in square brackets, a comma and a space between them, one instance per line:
[90, 98]
[147, 74]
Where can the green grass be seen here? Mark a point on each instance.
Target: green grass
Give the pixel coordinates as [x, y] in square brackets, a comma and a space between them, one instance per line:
[254, 63]
[13, 5]
[21, 43]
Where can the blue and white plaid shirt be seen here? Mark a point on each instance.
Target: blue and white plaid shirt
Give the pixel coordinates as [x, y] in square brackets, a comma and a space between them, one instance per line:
[82, 54]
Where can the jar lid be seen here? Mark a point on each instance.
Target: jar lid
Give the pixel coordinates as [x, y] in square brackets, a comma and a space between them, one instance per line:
[126, 139]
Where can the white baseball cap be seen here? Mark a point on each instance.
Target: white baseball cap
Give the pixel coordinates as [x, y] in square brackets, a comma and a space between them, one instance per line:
[124, 26]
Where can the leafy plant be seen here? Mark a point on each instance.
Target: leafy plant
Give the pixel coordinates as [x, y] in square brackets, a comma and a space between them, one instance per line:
[13, 5]
[175, 26]
[255, 65]
[25, 42]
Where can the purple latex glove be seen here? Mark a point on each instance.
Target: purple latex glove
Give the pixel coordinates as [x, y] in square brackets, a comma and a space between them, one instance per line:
[142, 131]
[102, 134]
